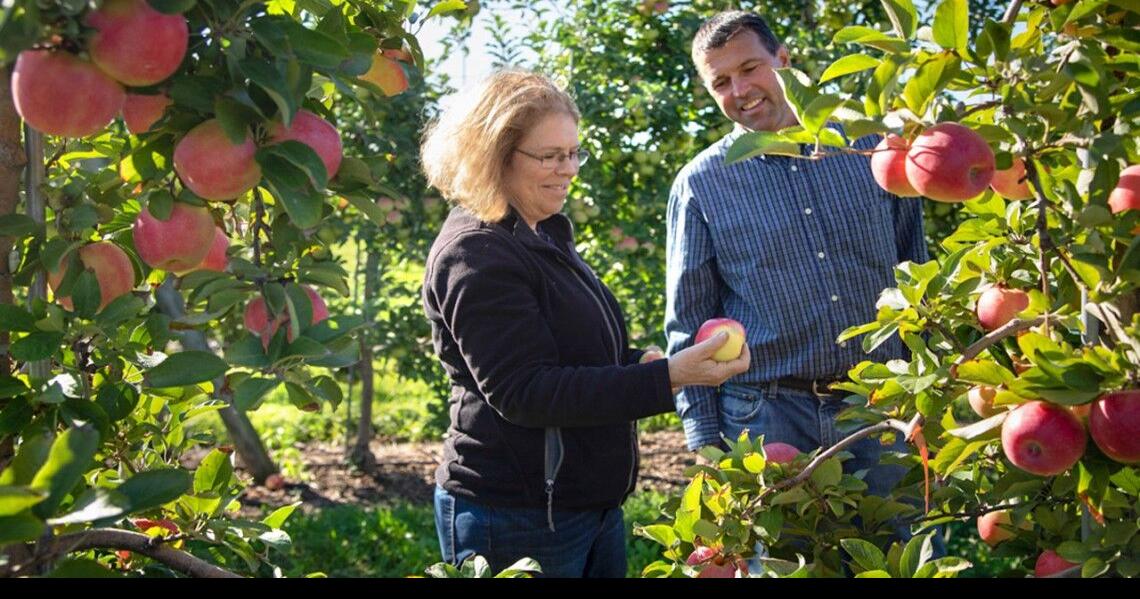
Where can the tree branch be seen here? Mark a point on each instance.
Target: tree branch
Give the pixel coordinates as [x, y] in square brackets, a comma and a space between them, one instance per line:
[1010, 328]
[116, 539]
[1011, 13]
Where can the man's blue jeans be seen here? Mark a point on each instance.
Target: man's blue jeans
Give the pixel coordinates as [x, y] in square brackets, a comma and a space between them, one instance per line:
[585, 544]
[806, 422]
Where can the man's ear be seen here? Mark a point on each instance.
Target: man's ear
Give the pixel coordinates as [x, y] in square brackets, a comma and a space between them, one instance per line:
[782, 57]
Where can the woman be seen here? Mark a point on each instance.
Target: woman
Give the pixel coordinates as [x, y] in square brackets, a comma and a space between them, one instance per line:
[546, 392]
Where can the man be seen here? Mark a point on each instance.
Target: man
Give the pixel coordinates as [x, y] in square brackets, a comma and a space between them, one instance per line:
[795, 250]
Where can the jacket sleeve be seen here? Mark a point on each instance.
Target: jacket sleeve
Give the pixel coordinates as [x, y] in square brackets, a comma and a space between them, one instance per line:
[482, 290]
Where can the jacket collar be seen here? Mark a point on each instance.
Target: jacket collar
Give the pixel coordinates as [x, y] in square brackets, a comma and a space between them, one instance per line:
[558, 227]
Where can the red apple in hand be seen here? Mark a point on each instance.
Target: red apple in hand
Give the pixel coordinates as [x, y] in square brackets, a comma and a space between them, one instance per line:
[1114, 422]
[735, 344]
[999, 305]
[1043, 438]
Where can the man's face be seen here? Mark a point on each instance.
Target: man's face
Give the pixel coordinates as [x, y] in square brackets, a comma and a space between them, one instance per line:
[740, 76]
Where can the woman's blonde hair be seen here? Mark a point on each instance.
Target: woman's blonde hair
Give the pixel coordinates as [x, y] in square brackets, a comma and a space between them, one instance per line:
[465, 151]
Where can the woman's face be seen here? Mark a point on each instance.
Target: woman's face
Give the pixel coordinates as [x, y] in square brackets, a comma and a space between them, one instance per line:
[536, 191]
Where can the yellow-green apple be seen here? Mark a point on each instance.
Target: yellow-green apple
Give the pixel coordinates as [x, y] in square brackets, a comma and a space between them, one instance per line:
[112, 268]
[888, 166]
[256, 317]
[1050, 563]
[780, 453]
[1114, 422]
[1012, 183]
[387, 74]
[981, 398]
[176, 244]
[949, 163]
[1043, 438]
[59, 94]
[1126, 194]
[136, 44]
[735, 344]
[141, 112]
[214, 167]
[999, 305]
[315, 132]
[994, 527]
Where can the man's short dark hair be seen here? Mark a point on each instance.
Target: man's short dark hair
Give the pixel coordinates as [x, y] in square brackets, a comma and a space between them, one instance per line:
[716, 32]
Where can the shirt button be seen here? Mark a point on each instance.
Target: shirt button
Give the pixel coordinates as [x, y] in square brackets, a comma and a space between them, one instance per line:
[835, 298]
[807, 210]
[843, 344]
[795, 168]
[820, 255]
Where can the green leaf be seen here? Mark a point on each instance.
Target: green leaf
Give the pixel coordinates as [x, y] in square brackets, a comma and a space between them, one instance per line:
[952, 26]
[280, 515]
[917, 552]
[367, 207]
[85, 294]
[818, 111]
[235, 118]
[94, 504]
[78, 567]
[446, 6]
[172, 7]
[248, 394]
[873, 574]
[798, 90]
[14, 318]
[314, 47]
[214, 473]
[828, 474]
[71, 453]
[903, 17]
[932, 77]
[186, 368]
[153, 488]
[18, 225]
[247, 351]
[272, 82]
[865, 554]
[40, 345]
[117, 400]
[302, 157]
[756, 143]
[20, 529]
[998, 35]
[866, 36]
[986, 373]
[15, 499]
[754, 463]
[852, 63]
[291, 186]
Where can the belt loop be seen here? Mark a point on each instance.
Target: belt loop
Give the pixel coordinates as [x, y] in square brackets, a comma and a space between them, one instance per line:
[773, 387]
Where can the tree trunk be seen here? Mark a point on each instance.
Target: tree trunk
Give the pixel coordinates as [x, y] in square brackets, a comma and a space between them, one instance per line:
[361, 455]
[12, 163]
[245, 439]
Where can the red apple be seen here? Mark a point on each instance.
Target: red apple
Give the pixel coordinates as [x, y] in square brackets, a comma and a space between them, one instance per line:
[135, 43]
[141, 112]
[274, 482]
[1050, 563]
[1012, 183]
[711, 564]
[999, 305]
[780, 453]
[1043, 438]
[888, 166]
[59, 94]
[387, 74]
[214, 167]
[176, 244]
[949, 163]
[1126, 194]
[216, 259]
[112, 268]
[316, 133]
[981, 398]
[256, 317]
[1114, 422]
[735, 344]
[990, 527]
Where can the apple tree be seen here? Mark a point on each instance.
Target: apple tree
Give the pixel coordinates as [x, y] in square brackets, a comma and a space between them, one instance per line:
[1020, 396]
[164, 260]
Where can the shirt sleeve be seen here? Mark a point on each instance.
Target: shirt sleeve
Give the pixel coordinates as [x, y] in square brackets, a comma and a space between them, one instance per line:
[692, 296]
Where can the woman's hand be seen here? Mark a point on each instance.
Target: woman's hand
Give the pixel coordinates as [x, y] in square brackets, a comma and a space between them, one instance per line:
[695, 365]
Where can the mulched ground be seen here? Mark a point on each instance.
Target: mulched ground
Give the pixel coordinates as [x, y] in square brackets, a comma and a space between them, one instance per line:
[405, 471]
